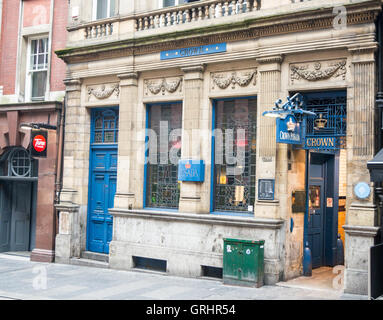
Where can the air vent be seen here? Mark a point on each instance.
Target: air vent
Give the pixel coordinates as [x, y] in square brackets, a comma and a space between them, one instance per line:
[211, 272]
[149, 264]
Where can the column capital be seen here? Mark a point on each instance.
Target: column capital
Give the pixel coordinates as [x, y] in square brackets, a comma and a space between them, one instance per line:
[270, 63]
[72, 84]
[128, 79]
[363, 53]
[194, 72]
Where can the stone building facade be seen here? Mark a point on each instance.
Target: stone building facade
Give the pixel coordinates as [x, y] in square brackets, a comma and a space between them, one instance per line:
[133, 65]
[31, 92]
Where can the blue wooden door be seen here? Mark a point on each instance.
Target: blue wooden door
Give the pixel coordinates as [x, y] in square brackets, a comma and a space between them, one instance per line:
[102, 179]
[321, 218]
[315, 219]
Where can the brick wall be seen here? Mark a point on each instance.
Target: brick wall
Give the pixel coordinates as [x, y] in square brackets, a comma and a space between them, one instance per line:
[8, 45]
[58, 67]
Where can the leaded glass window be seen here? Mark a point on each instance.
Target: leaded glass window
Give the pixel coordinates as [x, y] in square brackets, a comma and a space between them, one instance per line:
[105, 126]
[162, 186]
[20, 163]
[235, 155]
[331, 120]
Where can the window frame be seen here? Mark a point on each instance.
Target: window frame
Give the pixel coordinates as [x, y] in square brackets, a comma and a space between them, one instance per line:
[108, 13]
[213, 209]
[29, 72]
[176, 3]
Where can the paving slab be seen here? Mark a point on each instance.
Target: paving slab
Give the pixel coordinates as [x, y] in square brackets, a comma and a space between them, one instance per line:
[23, 279]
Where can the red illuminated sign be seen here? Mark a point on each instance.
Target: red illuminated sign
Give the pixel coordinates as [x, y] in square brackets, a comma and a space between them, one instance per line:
[39, 143]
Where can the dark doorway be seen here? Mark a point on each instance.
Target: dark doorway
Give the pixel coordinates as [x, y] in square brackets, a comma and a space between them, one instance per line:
[15, 215]
[321, 218]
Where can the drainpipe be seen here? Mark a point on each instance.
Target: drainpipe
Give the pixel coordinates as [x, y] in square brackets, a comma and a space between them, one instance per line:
[379, 106]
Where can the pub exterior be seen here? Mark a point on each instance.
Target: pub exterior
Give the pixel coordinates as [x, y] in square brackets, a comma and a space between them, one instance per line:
[151, 83]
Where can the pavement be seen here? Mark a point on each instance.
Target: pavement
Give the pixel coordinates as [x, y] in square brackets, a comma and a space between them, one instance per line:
[21, 279]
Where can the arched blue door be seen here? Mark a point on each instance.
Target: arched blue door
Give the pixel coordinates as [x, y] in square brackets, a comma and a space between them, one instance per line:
[102, 178]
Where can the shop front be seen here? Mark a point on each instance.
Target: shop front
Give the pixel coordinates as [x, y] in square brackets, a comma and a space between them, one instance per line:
[195, 161]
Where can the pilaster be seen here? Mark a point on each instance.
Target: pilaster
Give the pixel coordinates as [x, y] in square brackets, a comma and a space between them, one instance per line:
[270, 91]
[361, 221]
[129, 176]
[191, 196]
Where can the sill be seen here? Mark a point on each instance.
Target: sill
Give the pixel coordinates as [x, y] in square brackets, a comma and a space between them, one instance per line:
[234, 214]
[160, 209]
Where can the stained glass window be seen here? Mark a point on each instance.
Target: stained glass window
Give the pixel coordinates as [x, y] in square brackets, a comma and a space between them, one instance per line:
[162, 186]
[235, 155]
[105, 128]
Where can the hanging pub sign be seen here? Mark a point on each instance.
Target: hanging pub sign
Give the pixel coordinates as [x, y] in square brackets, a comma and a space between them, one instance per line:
[39, 143]
[289, 130]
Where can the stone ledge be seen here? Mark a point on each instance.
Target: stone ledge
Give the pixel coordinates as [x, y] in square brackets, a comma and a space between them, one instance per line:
[361, 231]
[199, 218]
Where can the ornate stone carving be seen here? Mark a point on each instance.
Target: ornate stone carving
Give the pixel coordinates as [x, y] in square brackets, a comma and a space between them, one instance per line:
[334, 69]
[104, 93]
[163, 85]
[224, 80]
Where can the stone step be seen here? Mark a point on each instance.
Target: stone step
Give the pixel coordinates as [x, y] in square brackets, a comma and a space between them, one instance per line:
[89, 263]
[95, 256]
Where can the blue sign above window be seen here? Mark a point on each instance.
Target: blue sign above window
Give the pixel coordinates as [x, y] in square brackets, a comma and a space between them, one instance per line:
[289, 130]
[193, 51]
[191, 170]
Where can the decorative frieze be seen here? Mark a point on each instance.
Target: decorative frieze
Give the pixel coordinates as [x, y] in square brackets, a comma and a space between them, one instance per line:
[103, 92]
[317, 71]
[164, 86]
[223, 80]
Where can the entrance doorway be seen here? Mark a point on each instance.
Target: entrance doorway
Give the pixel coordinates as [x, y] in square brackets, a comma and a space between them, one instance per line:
[18, 195]
[322, 212]
[16, 216]
[102, 179]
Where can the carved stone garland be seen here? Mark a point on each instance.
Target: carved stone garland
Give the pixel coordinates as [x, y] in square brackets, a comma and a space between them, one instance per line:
[337, 69]
[163, 85]
[223, 81]
[103, 92]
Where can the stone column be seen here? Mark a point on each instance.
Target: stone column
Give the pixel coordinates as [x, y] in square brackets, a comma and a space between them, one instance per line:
[361, 219]
[194, 197]
[129, 187]
[270, 91]
[69, 237]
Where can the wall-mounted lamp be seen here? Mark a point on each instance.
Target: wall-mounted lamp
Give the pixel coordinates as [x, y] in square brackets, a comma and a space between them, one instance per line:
[37, 126]
[293, 106]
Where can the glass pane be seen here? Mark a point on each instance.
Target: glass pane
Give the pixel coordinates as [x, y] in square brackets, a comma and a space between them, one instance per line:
[112, 8]
[38, 85]
[314, 197]
[169, 3]
[102, 9]
[98, 123]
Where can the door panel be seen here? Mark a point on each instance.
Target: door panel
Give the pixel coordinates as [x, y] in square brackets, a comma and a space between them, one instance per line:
[102, 190]
[315, 218]
[21, 215]
[5, 216]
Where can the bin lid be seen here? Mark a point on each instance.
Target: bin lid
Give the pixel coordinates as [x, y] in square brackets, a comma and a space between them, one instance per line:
[244, 241]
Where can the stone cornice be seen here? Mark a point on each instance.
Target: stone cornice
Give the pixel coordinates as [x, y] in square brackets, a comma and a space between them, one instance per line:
[309, 20]
[361, 231]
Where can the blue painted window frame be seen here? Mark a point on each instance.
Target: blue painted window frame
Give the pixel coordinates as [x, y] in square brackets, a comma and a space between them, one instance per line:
[212, 169]
[147, 110]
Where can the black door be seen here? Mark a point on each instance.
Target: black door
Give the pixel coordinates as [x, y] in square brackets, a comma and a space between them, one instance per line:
[15, 216]
[322, 217]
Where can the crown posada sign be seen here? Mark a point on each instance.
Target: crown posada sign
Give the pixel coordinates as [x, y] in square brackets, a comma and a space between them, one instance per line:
[289, 130]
